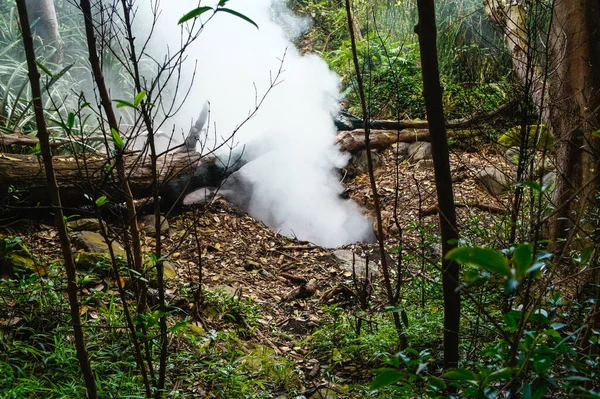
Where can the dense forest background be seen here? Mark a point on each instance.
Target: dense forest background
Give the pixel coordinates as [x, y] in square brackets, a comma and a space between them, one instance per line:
[131, 265]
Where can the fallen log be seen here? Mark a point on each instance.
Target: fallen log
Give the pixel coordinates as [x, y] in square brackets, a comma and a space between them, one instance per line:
[87, 176]
[18, 138]
[346, 121]
[354, 140]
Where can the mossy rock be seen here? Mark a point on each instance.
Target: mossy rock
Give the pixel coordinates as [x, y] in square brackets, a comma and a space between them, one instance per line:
[84, 224]
[512, 137]
[96, 262]
[93, 242]
[14, 254]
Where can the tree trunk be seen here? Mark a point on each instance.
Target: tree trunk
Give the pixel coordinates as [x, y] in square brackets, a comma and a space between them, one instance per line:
[574, 109]
[569, 104]
[392, 296]
[432, 92]
[53, 190]
[43, 14]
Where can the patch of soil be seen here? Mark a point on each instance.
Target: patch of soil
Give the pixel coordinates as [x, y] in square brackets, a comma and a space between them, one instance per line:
[241, 255]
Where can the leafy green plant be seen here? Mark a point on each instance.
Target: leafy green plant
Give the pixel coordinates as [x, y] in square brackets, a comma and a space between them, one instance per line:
[390, 67]
[407, 373]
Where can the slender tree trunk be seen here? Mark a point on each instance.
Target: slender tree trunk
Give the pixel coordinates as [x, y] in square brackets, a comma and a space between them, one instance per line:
[46, 27]
[127, 6]
[392, 299]
[120, 164]
[426, 29]
[36, 93]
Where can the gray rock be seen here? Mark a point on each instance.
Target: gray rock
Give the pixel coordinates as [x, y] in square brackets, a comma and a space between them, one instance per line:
[424, 164]
[344, 258]
[200, 196]
[512, 155]
[401, 150]
[358, 163]
[91, 241]
[543, 166]
[419, 150]
[149, 225]
[84, 224]
[493, 180]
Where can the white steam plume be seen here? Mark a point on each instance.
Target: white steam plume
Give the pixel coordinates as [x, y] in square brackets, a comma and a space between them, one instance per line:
[293, 187]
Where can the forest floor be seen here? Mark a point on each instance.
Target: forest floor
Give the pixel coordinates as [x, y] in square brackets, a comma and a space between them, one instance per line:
[289, 307]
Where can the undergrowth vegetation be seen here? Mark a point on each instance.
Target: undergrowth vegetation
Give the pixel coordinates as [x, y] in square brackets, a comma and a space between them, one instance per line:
[529, 313]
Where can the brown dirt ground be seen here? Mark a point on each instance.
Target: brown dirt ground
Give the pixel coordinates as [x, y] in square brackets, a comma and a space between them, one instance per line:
[241, 255]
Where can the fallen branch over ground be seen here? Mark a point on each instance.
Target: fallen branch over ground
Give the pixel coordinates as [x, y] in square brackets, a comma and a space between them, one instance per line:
[353, 122]
[385, 133]
[78, 176]
[355, 140]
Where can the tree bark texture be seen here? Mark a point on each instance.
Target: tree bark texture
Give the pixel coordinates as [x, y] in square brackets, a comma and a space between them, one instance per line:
[43, 14]
[392, 297]
[53, 190]
[179, 172]
[574, 109]
[566, 95]
[432, 92]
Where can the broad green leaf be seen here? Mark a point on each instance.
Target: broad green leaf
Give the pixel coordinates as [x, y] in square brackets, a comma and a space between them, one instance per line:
[139, 98]
[237, 14]
[436, 383]
[540, 316]
[43, 68]
[394, 309]
[522, 258]
[178, 326]
[123, 103]
[385, 377]
[193, 14]
[101, 201]
[533, 185]
[586, 254]
[117, 139]
[460, 375]
[596, 134]
[502, 374]
[510, 319]
[70, 120]
[471, 276]
[535, 267]
[488, 259]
